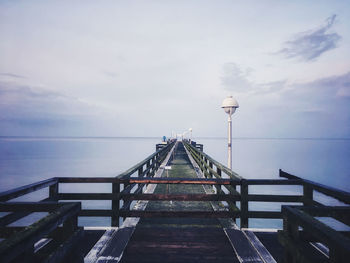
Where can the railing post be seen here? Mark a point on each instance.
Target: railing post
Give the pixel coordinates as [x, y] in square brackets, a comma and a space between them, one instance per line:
[70, 225]
[244, 204]
[218, 187]
[336, 256]
[115, 204]
[153, 169]
[291, 231]
[308, 195]
[148, 165]
[53, 192]
[211, 166]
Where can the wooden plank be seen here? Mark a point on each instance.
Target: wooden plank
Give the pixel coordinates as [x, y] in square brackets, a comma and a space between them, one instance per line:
[275, 198]
[46, 206]
[96, 212]
[273, 182]
[259, 247]
[182, 181]
[325, 189]
[114, 251]
[319, 230]
[101, 244]
[19, 191]
[265, 214]
[188, 214]
[244, 250]
[181, 197]
[87, 196]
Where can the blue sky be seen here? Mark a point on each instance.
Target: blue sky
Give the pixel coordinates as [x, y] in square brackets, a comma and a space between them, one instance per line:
[146, 68]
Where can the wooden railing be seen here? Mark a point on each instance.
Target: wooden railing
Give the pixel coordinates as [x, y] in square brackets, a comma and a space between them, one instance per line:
[147, 167]
[211, 168]
[19, 240]
[228, 188]
[302, 235]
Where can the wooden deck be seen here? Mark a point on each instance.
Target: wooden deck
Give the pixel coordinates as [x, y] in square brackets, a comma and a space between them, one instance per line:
[179, 239]
[186, 214]
[179, 244]
[182, 239]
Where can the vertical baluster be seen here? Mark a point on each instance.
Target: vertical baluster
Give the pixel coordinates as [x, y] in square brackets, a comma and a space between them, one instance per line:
[210, 172]
[291, 230]
[308, 195]
[244, 204]
[53, 192]
[115, 204]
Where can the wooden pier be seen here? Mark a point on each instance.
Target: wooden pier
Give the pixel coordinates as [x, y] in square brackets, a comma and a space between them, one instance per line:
[177, 205]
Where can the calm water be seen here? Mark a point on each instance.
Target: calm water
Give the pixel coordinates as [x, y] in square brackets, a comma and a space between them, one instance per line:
[27, 160]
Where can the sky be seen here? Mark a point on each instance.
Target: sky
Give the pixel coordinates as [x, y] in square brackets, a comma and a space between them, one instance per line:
[147, 68]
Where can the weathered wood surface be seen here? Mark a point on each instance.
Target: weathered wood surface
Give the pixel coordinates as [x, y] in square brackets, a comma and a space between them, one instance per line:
[243, 248]
[180, 232]
[17, 192]
[324, 189]
[17, 244]
[178, 214]
[338, 244]
[117, 244]
[182, 197]
[172, 244]
[223, 168]
[149, 180]
[259, 247]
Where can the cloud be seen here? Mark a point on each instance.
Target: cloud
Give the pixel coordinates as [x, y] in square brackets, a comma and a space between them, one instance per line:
[235, 78]
[11, 75]
[311, 44]
[32, 110]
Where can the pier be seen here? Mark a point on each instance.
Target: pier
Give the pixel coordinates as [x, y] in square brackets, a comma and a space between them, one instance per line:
[177, 205]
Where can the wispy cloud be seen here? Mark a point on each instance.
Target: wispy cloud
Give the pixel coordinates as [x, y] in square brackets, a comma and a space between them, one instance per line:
[311, 44]
[11, 75]
[235, 78]
[27, 109]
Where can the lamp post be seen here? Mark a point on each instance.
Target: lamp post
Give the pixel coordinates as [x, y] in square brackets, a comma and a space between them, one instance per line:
[190, 129]
[229, 105]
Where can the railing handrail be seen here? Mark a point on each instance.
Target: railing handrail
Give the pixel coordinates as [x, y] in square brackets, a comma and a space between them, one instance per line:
[26, 189]
[147, 180]
[135, 168]
[217, 164]
[327, 190]
[316, 228]
[15, 245]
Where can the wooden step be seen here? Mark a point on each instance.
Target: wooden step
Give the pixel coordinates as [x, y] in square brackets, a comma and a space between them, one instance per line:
[247, 247]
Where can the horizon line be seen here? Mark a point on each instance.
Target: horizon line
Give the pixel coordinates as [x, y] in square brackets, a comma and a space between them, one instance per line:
[154, 137]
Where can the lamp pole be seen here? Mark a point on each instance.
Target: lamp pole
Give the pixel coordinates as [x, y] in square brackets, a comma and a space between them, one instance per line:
[229, 105]
[229, 153]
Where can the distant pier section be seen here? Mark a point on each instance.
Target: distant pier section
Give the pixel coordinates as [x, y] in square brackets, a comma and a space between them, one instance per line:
[177, 205]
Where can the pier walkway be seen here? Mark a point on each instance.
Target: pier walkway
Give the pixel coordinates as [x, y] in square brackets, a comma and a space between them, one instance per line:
[179, 239]
[182, 237]
[184, 214]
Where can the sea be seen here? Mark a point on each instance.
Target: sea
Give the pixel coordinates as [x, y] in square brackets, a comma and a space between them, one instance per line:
[25, 160]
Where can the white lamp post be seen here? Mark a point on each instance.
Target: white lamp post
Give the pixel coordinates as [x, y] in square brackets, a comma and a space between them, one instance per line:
[190, 129]
[229, 105]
